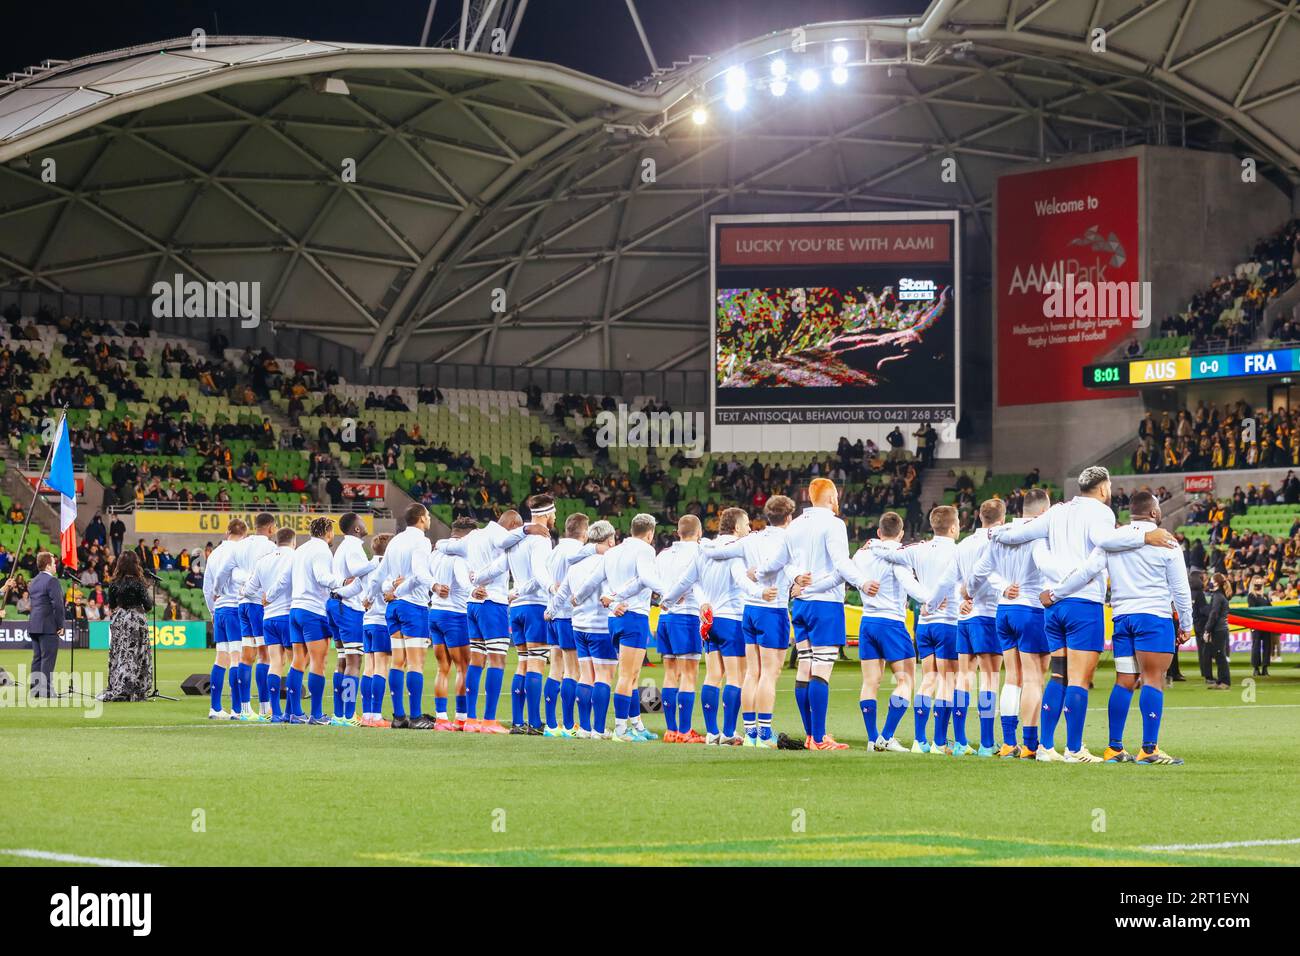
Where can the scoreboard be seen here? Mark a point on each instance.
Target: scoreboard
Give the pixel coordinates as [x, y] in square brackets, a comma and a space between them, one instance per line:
[1171, 371]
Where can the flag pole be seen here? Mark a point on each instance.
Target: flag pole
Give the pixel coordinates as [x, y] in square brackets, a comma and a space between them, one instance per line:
[36, 491]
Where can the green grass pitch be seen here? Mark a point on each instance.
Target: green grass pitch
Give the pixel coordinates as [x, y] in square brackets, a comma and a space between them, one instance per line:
[158, 783]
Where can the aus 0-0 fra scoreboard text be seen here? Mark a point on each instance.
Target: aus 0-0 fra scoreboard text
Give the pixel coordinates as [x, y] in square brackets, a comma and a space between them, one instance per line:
[1170, 371]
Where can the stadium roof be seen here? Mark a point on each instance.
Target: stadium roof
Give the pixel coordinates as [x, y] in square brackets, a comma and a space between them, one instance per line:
[479, 172]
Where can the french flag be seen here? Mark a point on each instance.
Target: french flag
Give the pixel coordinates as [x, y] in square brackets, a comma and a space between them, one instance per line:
[63, 481]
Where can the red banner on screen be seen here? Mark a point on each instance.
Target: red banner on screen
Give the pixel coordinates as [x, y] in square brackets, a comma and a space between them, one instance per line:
[1075, 220]
[833, 243]
[370, 489]
[1197, 483]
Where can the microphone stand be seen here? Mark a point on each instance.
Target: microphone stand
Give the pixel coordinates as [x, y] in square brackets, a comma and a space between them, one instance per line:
[72, 626]
[154, 693]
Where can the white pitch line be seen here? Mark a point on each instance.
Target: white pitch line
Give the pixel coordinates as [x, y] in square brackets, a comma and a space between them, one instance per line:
[1232, 844]
[70, 858]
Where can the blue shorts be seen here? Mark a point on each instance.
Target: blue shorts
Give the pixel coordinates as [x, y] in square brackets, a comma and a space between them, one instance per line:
[487, 620]
[1076, 625]
[448, 627]
[1143, 632]
[978, 635]
[277, 631]
[821, 623]
[411, 620]
[884, 639]
[308, 626]
[560, 634]
[348, 626]
[726, 638]
[225, 626]
[375, 640]
[678, 635]
[1021, 628]
[595, 646]
[633, 629]
[937, 639]
[332, 606]
[250, 619]
[390, 621]
[766, 626]
[528, 624]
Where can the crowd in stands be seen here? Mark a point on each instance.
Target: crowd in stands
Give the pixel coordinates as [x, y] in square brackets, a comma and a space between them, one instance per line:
[1210, 438]
[1214, 317]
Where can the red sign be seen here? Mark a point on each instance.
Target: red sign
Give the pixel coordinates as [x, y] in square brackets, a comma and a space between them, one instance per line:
[850, 242]
[47, 490]
[370, 489]
[1194, 484]
[1079, 221]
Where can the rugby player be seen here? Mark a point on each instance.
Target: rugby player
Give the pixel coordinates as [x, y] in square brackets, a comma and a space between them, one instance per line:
[449, 628]
[222, 599]
[562, 679]
[1145, 583]
[1077, 623]
[312, 579]
[346, 612]
[376, 643]
[533, 586]
[595, 648]
[269, 588]
[631, 566]
[678, 635]
[254, 546]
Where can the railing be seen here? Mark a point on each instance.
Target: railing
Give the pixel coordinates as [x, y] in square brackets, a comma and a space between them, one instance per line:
[313, 507]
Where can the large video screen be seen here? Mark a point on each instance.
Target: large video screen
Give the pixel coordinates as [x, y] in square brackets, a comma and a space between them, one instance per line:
[835, 318]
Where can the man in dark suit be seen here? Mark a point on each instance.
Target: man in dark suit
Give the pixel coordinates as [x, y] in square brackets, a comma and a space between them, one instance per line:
[46, 623]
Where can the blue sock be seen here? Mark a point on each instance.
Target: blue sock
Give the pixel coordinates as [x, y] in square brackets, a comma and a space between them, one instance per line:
[894, 716]
[819, 699]
[397, 681]
[1152, 701]
[1121, 698]
[670, 709]
[263, 690]
[764, 726]
[365, 694]
[1009, 725]
[316, 689]
[709, 698]
[568, 697]
[236, 698]
[551, 693]
[351, 686]
[600, 693]
[1076, 713]
[293, 692]
[988, 702]
[473, 676]
[1031, 738]
[533, 695]
[415, 692]
[960, 705]
[338, 694]
[439, 706]
[273, 693]
[218, 679]
[245, 684]
[620, 707]
[492, 691]
[942, 714]
[921, 717]
[1053, 707]
[869, 719]
[582, 695]
[460, 706]
[801, 702]
[517, 702]
[377, 694]
[750, 719]
[685, 710]
[730, 709]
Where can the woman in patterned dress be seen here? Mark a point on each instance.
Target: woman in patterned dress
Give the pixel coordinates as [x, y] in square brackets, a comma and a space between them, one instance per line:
[130, 666]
